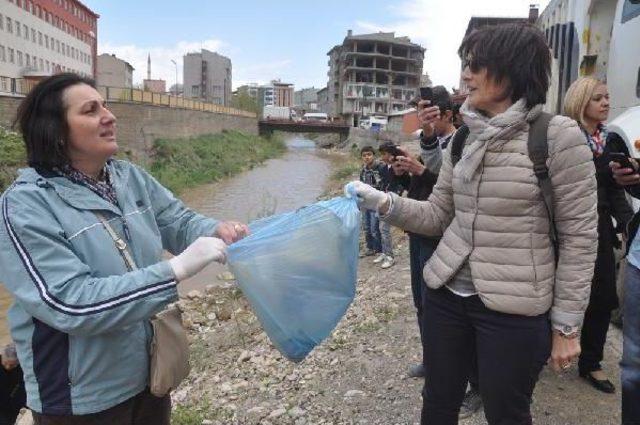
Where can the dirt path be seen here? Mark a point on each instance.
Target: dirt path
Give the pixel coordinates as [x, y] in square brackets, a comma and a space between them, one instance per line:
[357, 376]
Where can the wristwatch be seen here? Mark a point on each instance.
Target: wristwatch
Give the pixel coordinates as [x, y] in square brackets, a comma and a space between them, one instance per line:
[568, 332]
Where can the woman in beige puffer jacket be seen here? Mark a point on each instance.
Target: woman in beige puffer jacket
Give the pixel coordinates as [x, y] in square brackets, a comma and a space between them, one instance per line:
[494, 290]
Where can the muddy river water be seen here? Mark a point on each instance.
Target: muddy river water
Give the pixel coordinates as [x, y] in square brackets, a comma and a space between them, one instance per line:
[278, 185]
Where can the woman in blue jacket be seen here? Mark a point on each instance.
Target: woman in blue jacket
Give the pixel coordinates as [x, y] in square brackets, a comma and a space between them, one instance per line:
[80, 318]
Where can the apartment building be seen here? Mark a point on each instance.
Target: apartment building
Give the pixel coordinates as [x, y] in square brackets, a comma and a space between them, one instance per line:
[207, 77]
[44, 37]
[114, 72]
[373, 74]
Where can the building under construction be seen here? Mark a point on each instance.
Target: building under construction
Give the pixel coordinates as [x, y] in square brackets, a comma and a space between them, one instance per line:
[373, 74]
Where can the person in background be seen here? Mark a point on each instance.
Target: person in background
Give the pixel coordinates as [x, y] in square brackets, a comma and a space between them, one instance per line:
[435, 138]
[372, 174]
[587, 102]
[391, 182]
[71, 225]
[495, 291]
[12, 392]
[628, 175]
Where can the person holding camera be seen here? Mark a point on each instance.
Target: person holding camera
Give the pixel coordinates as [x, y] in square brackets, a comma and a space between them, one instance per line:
[495, 291]
[587, 102]
[82, 237]
[626, 172]
[391, 182]
[436, 135]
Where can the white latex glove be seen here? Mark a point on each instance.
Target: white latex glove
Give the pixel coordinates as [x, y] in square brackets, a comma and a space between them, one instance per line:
[367, 197]
[200, 253]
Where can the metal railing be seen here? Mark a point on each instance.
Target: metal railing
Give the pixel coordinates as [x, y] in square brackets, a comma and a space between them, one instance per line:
[21, 86]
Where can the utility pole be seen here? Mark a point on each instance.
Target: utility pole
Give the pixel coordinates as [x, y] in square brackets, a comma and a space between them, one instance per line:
[176, 64]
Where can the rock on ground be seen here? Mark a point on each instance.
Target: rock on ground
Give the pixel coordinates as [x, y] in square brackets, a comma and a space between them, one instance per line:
[357, 376]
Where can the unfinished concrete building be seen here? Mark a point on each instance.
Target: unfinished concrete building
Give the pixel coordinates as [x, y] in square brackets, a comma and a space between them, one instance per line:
[373, 74]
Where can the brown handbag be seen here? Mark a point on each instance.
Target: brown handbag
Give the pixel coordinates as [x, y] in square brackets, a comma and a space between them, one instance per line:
[169, 353]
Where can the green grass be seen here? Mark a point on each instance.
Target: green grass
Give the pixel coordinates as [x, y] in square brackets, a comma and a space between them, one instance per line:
[182, 163]
[12, 156]
[194, 414]
[177, 163]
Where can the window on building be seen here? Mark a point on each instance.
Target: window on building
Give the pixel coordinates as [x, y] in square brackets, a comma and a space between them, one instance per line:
[19, 3]
[9, 25]
[48, 66]
[11, 56]
[41, 62]
[39, 38]
[1, 22]
[630, 10]
[3, 56]
[27, 59]
[62, 48]
[20, 60]
[46, 41]
[25, 32]
[18, 29]
[58, 46]
[33, 35]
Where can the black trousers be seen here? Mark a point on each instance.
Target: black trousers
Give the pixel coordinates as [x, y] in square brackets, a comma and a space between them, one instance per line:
[142, 409]
[510, 351]
[420, 250]
[593, 338]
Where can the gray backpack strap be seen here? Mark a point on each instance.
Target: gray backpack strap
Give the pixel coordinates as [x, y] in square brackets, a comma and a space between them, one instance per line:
[457, 144]
[538, 148]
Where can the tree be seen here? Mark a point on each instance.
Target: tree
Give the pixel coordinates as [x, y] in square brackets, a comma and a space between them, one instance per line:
[242, 100]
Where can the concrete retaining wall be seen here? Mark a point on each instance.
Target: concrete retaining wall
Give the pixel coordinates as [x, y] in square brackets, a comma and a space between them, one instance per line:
[139, 125]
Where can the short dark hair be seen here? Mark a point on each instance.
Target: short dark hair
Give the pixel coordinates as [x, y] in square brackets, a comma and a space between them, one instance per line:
[517, 52]
[442, 99]
[386, 147]
[41, 119]
[367, 149]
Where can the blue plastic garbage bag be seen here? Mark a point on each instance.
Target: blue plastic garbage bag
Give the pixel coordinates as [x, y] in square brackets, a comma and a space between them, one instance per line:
[298, 270]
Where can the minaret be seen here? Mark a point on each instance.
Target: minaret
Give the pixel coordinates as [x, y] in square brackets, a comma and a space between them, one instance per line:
[149, 67]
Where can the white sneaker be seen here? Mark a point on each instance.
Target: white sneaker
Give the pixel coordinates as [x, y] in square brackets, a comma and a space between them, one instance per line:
[379, 259]
[388, 262]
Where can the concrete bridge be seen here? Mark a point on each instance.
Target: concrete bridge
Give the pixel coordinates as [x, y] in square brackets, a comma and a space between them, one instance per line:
[267, 127]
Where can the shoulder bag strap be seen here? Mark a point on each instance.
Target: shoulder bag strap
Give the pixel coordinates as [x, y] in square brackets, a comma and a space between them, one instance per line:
[120, 243]
[538, 147]
[457, 144]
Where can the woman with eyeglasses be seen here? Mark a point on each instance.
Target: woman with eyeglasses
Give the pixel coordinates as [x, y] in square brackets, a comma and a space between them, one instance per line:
[496, 292]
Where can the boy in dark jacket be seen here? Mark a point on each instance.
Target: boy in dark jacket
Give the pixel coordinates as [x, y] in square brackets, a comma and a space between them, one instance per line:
[372, 174]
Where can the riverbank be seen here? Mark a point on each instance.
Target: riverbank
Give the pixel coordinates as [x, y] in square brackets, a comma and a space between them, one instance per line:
[184, 163]
[177, 163]
[358, 375]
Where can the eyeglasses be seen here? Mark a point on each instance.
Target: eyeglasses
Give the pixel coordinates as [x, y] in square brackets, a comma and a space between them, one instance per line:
[474, 64]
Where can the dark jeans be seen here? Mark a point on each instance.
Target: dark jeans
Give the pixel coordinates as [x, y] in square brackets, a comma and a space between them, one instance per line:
[631, 348]
[510, 351]
[371, 227]
[142, 409]
[420, 250]
[592, 338]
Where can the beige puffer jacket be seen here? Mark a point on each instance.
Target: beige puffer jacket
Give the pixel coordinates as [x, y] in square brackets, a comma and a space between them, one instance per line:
[490, 210]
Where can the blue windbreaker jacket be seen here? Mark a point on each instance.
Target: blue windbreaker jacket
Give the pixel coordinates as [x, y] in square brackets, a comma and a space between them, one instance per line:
[80, 319]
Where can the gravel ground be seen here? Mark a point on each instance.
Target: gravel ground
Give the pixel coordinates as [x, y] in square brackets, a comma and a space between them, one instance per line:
[357, 376]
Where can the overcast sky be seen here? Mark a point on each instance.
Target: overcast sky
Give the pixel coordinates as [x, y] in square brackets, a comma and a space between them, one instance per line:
[286, 39]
